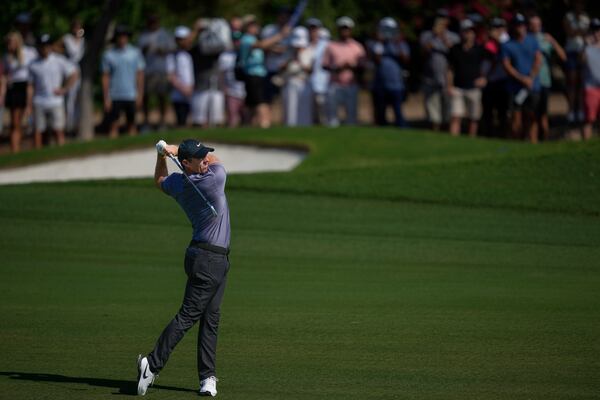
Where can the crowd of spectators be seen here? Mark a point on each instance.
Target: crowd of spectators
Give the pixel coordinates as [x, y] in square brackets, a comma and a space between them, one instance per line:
[489, 77]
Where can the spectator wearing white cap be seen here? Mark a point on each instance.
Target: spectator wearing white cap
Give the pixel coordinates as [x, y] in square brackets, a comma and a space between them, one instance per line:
[389, 53]
[297, 92]
[319, 77]
[180, 74]
[465, 80]
[345, 59]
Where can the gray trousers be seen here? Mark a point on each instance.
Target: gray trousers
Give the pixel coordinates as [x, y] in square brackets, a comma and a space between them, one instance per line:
[207, 275]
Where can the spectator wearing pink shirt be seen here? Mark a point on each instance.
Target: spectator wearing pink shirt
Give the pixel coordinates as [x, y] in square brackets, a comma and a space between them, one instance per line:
[344, 58]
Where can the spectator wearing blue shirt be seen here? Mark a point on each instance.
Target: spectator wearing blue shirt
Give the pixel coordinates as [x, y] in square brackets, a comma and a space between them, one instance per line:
[389, 53]
[122, 81]
[252, 61]
[522, 59]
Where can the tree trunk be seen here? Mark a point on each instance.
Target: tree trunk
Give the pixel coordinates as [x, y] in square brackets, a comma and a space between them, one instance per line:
[89, 68]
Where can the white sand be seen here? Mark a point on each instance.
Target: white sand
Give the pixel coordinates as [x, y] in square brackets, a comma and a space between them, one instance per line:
[140, 164]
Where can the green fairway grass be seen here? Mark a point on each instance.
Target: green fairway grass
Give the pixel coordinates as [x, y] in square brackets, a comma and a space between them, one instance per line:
[390, 265]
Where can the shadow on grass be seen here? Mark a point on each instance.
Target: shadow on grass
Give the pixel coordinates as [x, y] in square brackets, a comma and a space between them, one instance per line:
[127, 388]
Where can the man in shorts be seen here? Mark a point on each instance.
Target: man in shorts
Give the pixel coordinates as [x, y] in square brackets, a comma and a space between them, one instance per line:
[522, 59]
[436, 44]
[122, 82]
[465, 80]
[47, 91]
[591, 62]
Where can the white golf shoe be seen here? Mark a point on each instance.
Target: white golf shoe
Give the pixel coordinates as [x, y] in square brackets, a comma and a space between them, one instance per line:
[145, 376]
[208, 387]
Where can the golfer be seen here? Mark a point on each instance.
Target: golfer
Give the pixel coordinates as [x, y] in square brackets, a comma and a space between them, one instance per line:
[206, 260]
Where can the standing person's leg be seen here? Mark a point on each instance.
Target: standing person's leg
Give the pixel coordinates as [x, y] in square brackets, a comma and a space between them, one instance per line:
[209, 324]
[58, 119]
[16, 115]
[351, 94]
[592, 109]
[130, 109]
[289, 96]
[378, 96]
[457, 110]
[305, 105]
[219, 107]
[473, 102]
[532, 105]
[487, 104]
[433, 107]
[396, 98]
[40, 117]
[572, 78]
[200, 288]
[332, 105]
[542, 114]
[114, 114]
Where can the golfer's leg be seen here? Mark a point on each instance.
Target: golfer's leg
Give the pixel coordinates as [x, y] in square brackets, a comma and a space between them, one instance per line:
[209, 325]
[194, 303]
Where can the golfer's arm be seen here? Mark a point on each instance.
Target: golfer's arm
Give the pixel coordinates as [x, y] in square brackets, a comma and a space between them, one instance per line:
[160, 171]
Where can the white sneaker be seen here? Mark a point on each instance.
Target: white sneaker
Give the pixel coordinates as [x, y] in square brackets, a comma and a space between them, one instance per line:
[208, 387]
[145, 376]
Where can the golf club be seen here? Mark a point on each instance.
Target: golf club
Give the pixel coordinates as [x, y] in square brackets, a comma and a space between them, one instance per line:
[160, 147]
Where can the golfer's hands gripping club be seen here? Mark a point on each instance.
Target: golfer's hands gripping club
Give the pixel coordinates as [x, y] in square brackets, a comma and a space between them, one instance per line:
[166, 150]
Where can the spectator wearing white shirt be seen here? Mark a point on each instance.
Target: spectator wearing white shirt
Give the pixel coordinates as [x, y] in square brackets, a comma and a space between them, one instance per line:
[16, 72]
[180, 74]
[74, 48]
[51, 77]
[155, 43]
[297, 92]
[319, 77]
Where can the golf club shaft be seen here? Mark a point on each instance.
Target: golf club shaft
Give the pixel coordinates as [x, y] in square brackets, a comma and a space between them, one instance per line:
[176, 161]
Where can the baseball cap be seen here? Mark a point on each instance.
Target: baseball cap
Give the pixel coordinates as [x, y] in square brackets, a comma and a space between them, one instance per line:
[314, 22]
[519, 19]
[181, 32]
[43, 39]
[498, 22]
[344, 22]
[466, 24]
[122, 30]
[191, 148]
[388, 23]
[299, 37]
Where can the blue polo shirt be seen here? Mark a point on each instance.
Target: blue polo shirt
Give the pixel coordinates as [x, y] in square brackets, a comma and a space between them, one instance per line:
[522, 57]
[122, 65]
[206, 227]
[389, 73]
